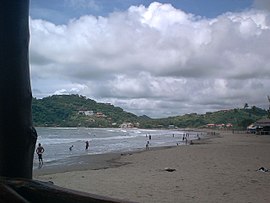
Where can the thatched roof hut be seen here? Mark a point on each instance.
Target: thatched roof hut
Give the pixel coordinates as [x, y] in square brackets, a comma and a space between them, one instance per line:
[263, 126]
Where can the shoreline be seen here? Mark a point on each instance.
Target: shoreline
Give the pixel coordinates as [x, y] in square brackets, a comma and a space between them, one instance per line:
[103, 161]
[81, 163]
[222, 168]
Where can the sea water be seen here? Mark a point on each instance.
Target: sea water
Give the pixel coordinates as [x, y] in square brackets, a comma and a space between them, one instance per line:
[57, 141]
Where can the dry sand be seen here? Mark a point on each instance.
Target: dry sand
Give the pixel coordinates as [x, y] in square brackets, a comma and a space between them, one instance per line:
[219, 169]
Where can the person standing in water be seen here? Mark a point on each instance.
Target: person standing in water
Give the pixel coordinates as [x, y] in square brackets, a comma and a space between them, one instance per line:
[39, 152]
[86, 145]
[70, 148]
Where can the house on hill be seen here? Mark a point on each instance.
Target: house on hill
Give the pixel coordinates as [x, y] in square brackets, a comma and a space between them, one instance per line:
[86, 113]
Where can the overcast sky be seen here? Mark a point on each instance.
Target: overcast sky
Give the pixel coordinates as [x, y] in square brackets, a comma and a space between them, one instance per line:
[160, 59]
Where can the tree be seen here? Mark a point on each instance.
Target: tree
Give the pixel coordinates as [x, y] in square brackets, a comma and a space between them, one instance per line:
[246, 122]
[17, 135]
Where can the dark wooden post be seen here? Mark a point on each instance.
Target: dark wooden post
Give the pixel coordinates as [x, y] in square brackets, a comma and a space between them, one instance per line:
[17, 135]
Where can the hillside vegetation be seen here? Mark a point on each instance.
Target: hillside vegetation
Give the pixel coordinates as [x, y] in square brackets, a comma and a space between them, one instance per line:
[76, 111]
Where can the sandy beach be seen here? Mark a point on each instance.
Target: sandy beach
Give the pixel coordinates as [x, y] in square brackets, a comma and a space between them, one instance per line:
[222, 168]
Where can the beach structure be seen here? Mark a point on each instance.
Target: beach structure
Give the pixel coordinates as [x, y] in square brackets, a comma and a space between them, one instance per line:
[262, 126]
[17, 134]
[251, 129]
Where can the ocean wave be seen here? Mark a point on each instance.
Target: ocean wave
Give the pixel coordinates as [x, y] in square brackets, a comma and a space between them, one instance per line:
[62, 128]
[116, 137]
[48, 141]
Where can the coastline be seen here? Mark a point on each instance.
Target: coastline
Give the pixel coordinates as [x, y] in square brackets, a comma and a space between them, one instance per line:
[106, 160]
[216, 169]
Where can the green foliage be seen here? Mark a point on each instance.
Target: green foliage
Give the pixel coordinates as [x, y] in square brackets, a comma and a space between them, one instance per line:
[63, 110]
[239, 118]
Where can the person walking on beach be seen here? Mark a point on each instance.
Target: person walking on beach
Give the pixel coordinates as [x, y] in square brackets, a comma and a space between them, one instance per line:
[147, 145]
[86, 145]
[39, 152]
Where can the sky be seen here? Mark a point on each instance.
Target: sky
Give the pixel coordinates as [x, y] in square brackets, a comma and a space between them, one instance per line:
[160, 59]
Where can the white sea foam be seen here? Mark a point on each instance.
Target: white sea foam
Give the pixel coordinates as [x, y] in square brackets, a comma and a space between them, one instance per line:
[62, 128]
[49, 141]
[117, 137]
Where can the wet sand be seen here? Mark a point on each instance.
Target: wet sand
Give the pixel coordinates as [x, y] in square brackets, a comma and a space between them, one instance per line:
[219, 169]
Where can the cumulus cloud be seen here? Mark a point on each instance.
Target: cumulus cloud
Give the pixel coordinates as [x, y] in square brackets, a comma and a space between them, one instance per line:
[156, 60]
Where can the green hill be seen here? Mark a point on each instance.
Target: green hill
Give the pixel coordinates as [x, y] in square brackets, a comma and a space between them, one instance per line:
[238, 118]
[75, 110]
